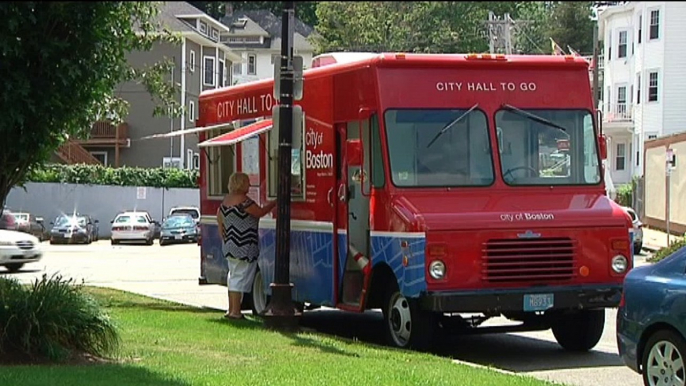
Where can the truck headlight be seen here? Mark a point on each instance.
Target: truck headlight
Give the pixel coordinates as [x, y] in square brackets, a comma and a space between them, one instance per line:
[619, 264]
[437, 269]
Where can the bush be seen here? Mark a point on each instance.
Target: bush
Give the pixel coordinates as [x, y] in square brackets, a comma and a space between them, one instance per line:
[123, 176]
[664, 252]
[625, 195]
[52, 319]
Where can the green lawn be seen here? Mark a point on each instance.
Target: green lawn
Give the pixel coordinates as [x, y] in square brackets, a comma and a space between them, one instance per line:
[168, 345]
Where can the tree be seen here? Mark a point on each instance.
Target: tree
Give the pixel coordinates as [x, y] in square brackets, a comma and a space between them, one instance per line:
[61, 62]
[571, 25]
[304, 10]
[532, 37]
[425, 26]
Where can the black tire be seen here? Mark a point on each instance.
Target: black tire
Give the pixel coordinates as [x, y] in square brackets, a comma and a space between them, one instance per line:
[581, 330]
[405, 324]
[658, 340]
[162, 243]
[150, 241]
[114, 242]
[14, 267]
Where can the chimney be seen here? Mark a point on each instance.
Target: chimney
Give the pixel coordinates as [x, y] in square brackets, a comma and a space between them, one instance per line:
[228, 9]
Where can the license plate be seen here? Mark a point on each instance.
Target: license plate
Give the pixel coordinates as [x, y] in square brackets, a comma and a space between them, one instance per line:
[28, 254]
[178, 237]
[538, 302]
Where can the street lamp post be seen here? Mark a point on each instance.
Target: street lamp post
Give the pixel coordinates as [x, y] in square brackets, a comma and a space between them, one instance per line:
[281, 313]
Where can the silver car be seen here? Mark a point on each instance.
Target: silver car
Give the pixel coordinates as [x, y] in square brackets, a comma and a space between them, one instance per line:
[133, 226]
[638, 229]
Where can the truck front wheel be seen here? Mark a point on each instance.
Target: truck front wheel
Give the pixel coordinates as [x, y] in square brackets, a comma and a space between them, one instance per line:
[405, 324]
[581, 330]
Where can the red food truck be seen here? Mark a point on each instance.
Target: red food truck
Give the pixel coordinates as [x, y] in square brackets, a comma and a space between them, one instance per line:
[419, 189]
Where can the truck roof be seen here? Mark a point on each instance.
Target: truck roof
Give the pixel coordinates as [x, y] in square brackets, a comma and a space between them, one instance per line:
[409, 60]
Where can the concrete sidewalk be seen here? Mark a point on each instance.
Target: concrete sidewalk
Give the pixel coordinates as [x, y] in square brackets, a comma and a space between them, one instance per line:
[654, 240]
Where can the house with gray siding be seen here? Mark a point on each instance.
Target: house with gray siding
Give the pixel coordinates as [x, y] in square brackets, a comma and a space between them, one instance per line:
[201, 62]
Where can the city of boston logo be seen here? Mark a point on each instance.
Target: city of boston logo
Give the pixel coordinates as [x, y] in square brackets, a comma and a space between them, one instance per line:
[529, 234]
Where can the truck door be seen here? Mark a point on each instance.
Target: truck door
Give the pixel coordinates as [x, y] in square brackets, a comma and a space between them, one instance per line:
[354, 211]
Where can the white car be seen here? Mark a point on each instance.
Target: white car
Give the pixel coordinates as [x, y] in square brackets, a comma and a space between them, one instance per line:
[17, 249]
[133, 226]
[638, 229]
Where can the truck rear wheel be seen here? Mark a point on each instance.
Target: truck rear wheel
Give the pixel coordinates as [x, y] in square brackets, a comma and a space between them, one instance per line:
[581, 330]
[405, 324]
[260, 299]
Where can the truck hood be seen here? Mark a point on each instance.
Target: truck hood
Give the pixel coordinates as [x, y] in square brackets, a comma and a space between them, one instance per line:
[499, 211]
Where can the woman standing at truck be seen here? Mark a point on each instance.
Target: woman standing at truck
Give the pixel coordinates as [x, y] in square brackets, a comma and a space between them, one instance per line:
[238, 219]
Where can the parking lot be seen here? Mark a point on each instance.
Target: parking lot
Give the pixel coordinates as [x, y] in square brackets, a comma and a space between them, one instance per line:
[171, 272]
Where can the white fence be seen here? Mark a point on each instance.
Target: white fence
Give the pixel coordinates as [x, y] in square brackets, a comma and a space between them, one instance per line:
[102, 202]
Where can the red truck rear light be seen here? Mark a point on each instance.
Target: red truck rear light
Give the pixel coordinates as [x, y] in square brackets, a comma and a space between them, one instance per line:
[437, 250]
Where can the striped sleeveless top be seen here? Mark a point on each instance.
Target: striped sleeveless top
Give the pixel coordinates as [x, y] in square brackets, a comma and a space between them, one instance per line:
[240, 238]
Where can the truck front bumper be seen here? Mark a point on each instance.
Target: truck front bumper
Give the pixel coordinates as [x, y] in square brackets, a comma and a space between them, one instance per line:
[513, 300]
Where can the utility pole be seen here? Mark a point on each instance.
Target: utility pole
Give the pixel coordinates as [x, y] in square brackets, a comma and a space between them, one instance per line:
[281, 313]
[500, 33]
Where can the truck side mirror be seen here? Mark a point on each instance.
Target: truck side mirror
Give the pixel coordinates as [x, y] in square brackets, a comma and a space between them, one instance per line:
[602, 145]
[353, 151]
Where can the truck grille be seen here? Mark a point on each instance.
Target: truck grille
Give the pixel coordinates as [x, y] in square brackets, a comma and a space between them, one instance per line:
[513, 260]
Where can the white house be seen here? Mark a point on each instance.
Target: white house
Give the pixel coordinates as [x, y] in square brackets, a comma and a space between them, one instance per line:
[644, 80]
[256, 36]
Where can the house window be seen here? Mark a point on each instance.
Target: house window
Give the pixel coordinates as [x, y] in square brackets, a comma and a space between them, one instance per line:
[638, 88]
[222, 74]
[202, 27]
[609, 46]
[640, 28]
[191, 111]
[609, 99]
[237, 68]
[215, 34]
[252, 64]
[620, 157]
[171, 162]
[196, 161]
[191, 60]
[220, 165]
[101, 156]
[652, 87]
[621, 101]
[654, 24]
[297, 165]
[209, 71]
[621, 50]
[189, 159]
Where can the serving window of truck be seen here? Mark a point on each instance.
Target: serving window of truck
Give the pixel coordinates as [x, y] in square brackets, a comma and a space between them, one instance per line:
[432, 187]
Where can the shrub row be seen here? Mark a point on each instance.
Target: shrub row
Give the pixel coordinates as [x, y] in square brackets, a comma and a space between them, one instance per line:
[123, 176]
[664, 252]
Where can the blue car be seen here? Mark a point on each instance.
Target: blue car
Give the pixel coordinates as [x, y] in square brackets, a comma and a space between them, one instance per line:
[651, 321]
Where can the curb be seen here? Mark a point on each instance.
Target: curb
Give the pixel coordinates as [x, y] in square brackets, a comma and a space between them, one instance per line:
[651, 248]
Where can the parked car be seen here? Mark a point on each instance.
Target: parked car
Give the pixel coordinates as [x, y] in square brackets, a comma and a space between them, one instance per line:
[179, 228]
[76, 228]
[193, 211]
[17, 249]
[651, 327]
[28, 223]
[157, 224]
[133, 226]
[638, 229]
[7, 221]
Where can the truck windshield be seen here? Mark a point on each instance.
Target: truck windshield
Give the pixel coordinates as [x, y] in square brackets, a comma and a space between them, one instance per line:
[460, 156]
[547, 147]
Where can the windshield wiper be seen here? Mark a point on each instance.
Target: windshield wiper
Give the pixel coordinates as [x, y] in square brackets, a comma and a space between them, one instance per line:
[534, 117]
[451, 124]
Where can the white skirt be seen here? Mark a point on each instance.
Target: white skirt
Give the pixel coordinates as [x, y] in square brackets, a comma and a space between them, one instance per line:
[241, 275]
